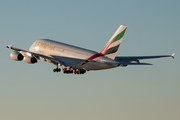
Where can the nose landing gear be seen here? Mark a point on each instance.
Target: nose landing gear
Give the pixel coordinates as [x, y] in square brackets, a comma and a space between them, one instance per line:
[57, 69]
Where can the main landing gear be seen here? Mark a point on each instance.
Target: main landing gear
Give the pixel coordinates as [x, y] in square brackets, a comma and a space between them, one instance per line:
[79, 71]
[68, 70]
[76, 71]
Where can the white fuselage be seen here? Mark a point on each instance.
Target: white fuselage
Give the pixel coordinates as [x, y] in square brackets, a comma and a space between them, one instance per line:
[78, 56]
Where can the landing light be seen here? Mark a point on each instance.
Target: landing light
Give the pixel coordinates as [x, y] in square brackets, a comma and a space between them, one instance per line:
[29, 54]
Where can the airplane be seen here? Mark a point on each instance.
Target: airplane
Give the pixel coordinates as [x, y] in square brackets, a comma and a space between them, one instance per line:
[79, 60]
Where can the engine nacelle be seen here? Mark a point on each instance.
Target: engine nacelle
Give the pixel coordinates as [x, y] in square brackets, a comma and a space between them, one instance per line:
[16, 56]
[30, 60]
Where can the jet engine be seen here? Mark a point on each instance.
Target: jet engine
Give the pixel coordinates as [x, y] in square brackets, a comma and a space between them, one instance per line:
[30, 60]
[16, 56]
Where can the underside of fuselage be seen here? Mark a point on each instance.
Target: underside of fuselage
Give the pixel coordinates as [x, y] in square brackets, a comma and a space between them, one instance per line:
[93, 66]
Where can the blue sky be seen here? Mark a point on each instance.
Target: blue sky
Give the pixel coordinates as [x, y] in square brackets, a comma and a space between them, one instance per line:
[133, 92]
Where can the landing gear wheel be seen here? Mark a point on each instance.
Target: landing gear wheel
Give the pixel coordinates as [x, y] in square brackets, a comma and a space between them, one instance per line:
[57, 70]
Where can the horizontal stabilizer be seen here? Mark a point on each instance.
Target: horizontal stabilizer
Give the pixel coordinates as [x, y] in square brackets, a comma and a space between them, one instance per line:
[109, 63]
[135, 63]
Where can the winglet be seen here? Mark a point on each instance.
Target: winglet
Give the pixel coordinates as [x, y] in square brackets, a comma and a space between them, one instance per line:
[10, 46]
[173, 55]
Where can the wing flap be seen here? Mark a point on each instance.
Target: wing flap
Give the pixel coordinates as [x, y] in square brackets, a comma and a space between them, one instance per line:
[137, 58]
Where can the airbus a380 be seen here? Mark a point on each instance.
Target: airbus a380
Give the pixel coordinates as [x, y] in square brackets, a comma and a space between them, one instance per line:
[79, 60]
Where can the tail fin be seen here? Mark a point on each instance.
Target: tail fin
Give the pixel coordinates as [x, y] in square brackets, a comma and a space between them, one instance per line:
[111, 48]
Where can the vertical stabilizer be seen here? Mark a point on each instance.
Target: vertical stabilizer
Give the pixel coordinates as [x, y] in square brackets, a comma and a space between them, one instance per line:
[111, 48]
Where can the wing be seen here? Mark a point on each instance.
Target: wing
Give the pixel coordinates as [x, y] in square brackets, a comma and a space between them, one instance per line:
[129, 59]
[57, 60]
